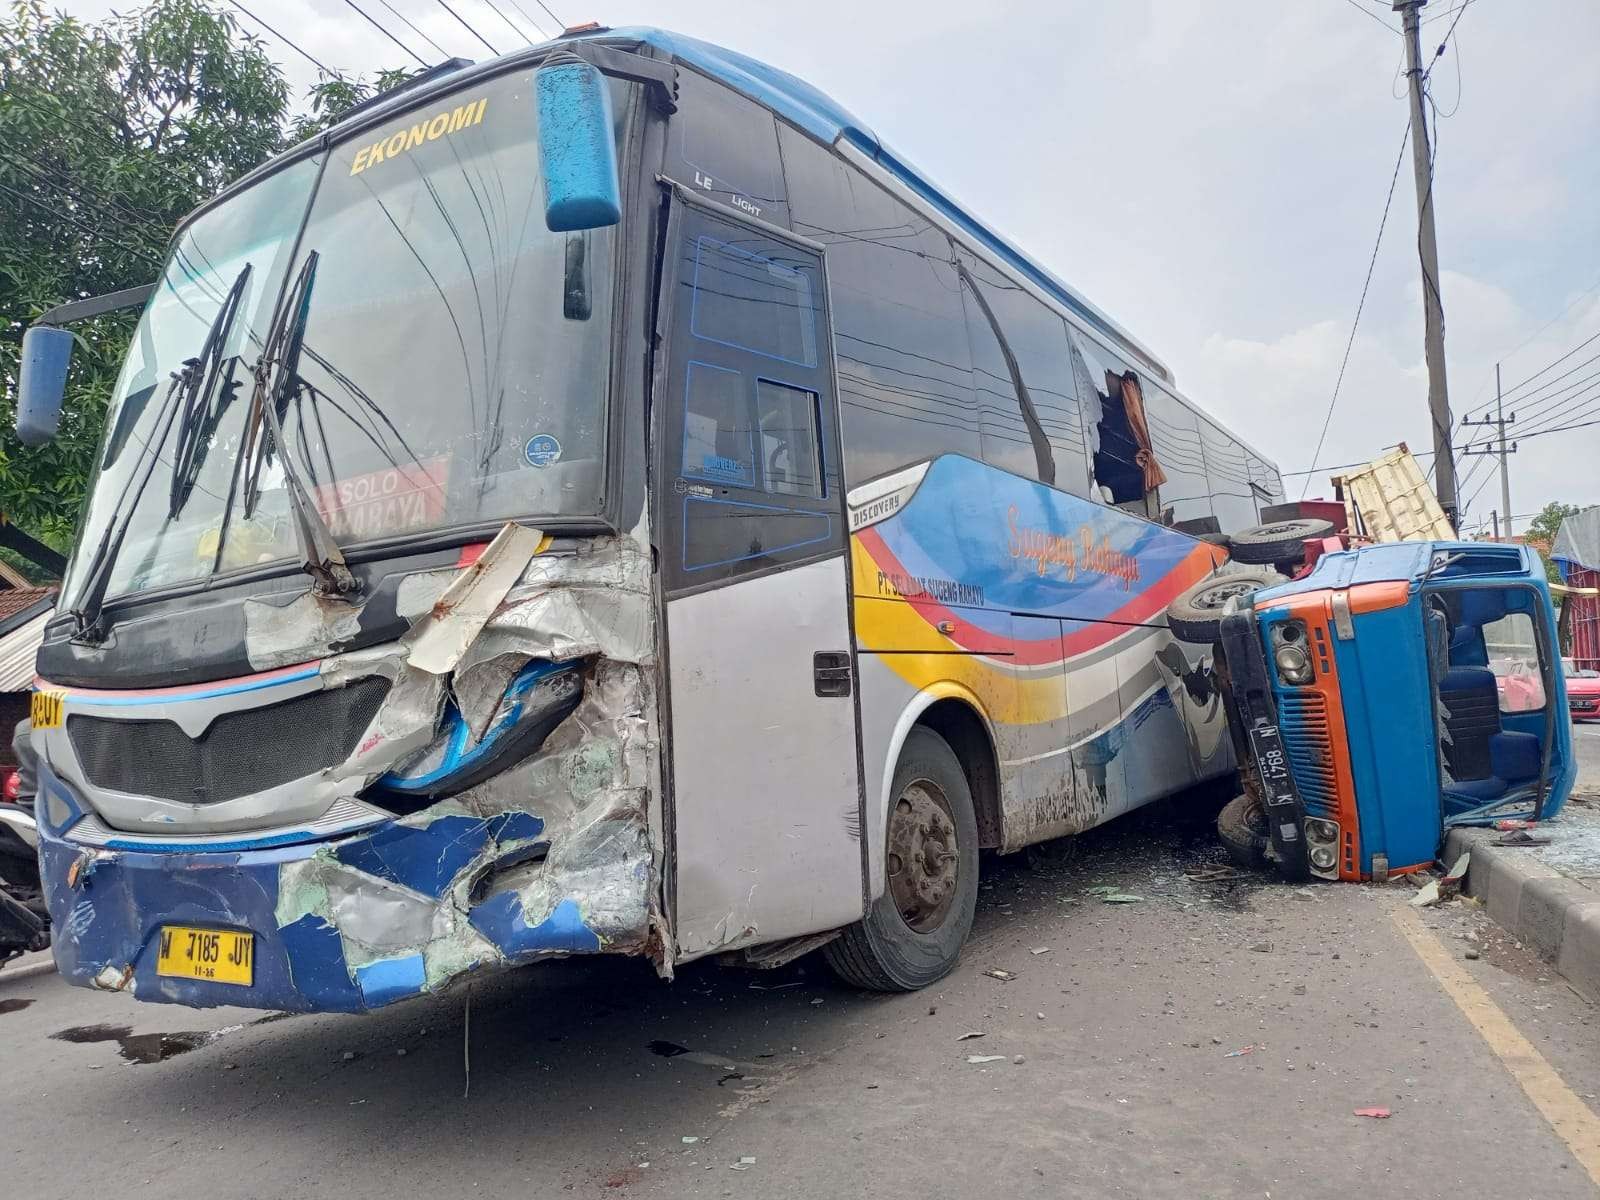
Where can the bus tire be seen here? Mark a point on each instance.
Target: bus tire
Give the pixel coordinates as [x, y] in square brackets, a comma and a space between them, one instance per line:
[912, 935]
[1196, 615]
[1242, 826]
[1280, 541]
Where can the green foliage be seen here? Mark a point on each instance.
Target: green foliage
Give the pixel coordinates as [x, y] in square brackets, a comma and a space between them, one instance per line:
[1542, 529]
[109, 134]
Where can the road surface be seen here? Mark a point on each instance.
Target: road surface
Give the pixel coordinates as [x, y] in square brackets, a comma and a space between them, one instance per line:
[1211, 1039]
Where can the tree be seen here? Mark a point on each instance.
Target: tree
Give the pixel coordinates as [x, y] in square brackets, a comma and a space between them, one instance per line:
[109, 134]
[1542, 531]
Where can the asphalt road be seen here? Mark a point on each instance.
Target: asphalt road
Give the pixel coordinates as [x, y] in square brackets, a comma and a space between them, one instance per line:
[1212, 1039]
[1586, 737]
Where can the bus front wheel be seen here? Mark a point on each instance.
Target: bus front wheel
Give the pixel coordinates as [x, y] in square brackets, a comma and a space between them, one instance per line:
[913, 933]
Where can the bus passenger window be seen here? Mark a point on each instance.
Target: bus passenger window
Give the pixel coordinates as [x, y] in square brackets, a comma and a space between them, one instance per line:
[718, 443]
[752, 302]
[788, 423]
[1123, 459]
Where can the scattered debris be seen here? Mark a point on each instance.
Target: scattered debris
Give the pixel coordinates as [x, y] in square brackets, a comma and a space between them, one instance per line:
[970, 1034]
[818, 1000]
[744, 1164]
[1001, 973]
[1216, 875]
[1510, 823]
[1262, 947]
[1427, 895]
[1017, 1060]
[1242, 1051]
[776, 987]
[1040, 950]
[1381, 1114]
[1121, 898]
[1471, 954]
[1521, 837]
[689, 1140]
[1306, 894]
[980, 1059]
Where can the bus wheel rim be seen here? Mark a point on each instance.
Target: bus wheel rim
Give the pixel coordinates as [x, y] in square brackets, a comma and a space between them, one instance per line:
[924, 862]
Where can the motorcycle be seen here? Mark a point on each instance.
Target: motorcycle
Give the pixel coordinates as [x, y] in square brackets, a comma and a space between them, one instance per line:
[24, 919]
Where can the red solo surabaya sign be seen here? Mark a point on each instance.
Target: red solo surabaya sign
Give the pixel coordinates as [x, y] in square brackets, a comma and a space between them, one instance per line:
[382, 503]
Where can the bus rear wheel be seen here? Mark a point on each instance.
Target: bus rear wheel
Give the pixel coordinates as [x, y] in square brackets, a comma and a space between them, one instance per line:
[912, 935]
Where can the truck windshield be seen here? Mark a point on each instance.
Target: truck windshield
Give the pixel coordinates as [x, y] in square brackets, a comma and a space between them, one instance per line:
[454, 364]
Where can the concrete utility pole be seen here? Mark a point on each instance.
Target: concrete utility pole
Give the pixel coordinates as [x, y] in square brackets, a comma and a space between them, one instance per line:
[1444, 469]
[1500, 422]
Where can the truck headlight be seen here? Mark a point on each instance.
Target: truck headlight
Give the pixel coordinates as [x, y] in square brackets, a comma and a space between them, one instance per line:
[1323, 857]
[1294, 665]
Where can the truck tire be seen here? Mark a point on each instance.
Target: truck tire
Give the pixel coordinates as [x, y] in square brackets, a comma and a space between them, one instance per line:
[1281, 541]
[1242, 826]
[912, 934]
[1196, 615]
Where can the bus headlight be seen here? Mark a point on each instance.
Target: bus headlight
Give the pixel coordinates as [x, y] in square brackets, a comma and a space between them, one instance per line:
[1323, 857]
[1294, 665]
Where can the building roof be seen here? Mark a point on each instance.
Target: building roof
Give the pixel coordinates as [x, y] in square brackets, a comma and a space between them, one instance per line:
[17, 605]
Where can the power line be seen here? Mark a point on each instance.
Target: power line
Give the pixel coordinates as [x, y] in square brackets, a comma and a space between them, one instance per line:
[467, 27]
[97, 235]
[414, 29]
[1361, 304]
[1367, 12]
[1553, 363]
[536, 24]
[499, 12]
[560, 24]
[320, 66]
[367, 17]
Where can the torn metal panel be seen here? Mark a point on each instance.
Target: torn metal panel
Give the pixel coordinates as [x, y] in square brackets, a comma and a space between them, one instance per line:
[436, 643]
[276, 635]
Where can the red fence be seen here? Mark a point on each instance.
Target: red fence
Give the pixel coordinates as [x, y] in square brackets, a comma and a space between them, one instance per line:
[1584, 619]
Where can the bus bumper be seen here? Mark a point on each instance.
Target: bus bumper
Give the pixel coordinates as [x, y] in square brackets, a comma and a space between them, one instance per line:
[397, 910]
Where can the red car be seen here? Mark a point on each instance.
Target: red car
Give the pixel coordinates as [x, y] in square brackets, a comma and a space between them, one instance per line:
[1583, 691]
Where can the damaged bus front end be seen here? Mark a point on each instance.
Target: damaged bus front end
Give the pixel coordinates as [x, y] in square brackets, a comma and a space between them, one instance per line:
[476, 794]
[395, 354]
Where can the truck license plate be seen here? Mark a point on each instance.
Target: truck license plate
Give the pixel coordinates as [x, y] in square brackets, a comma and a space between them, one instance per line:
[218, 955]
[1276, 781]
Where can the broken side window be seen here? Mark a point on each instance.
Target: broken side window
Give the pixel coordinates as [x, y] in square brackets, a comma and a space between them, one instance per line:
[1126, 470]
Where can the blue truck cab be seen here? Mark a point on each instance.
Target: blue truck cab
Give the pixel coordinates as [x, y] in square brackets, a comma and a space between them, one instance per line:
[1394, 691]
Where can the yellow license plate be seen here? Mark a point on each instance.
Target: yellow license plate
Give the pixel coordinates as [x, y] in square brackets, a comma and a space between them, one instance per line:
[219, 955]
[46, 709]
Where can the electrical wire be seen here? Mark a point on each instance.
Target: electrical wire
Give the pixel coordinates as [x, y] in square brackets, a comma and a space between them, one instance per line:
[370, 20]
[499, 12]
[98, 236]
[467, 27]
[1361, 304]
[1367, 12]
[326, 70]
[542, 31]
[414, 29]
[560, 24]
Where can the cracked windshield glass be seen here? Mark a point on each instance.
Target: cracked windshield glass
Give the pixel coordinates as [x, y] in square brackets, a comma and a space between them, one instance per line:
[452, 369]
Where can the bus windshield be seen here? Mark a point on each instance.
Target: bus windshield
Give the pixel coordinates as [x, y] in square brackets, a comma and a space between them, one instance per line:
[453, 366]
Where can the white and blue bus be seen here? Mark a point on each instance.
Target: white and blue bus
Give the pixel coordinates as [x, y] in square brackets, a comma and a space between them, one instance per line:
[603, 500]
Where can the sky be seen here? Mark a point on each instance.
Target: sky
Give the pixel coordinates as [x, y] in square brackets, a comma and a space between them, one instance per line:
[1212, 173]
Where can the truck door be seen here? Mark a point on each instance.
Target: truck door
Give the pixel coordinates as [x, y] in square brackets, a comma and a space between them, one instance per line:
[766, 803]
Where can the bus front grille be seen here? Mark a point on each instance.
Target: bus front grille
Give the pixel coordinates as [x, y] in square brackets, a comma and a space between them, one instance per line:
[239, 753]
[1303, 722]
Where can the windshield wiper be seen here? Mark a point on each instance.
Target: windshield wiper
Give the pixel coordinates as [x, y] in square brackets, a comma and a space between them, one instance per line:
[197, 419]
[190, 391]
[276, 384]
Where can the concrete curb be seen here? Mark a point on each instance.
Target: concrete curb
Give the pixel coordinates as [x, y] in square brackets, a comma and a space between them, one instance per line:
[1556, 916]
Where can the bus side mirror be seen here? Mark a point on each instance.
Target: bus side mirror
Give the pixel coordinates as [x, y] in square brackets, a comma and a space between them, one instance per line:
[46, 352]
[576, 149]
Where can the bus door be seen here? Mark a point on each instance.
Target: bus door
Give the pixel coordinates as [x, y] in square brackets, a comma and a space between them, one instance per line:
[762, 745]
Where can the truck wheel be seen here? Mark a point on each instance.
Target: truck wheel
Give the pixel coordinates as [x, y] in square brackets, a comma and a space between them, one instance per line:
[912, 934]
[1196, 615]
[1242, 826]
[1281, 541]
